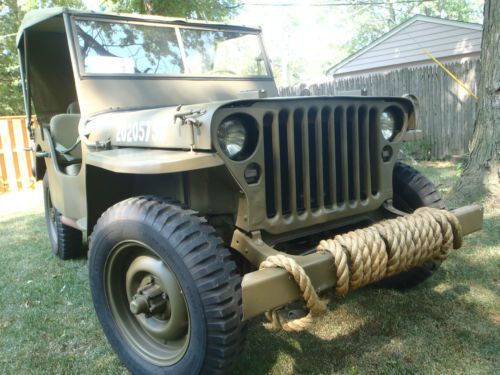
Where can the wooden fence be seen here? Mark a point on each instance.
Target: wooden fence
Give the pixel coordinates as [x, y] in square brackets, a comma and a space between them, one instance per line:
[447, 112]
[15, 161]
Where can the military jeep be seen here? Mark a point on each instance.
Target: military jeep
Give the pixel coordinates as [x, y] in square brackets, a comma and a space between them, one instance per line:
[164, 143]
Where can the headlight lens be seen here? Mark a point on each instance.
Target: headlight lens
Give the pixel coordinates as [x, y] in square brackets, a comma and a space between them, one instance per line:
[237, 136]
[387, 124]
[232, 136]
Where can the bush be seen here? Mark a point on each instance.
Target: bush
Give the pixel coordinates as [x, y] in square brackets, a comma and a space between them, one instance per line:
[415, 150]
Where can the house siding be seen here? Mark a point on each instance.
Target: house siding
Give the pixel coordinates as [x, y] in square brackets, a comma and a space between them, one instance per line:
[407, 46]
[388, 68]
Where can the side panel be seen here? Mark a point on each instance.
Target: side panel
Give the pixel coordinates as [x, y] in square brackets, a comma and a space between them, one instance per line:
[67, 192]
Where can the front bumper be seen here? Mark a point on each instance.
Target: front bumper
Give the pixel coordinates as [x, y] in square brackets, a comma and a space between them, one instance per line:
[270, 288]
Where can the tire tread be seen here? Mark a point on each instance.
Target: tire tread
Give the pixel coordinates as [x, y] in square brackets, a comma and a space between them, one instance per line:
[210, 266]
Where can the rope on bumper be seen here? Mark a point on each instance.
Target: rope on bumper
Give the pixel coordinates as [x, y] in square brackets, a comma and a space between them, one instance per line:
[368, 255]
[313, 303]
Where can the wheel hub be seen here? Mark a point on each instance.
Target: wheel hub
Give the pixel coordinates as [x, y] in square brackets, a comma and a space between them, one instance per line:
[156, 299]
[151, 300]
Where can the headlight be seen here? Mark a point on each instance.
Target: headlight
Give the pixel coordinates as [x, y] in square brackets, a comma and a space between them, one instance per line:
[387, 124]
[232, 136]
[392, 122]
[237, 136]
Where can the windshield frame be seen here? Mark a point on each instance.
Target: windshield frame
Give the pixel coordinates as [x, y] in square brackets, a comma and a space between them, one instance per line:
[177, 26]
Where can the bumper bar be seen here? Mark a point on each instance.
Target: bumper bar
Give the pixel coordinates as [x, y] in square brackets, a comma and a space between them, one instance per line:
[270, 288]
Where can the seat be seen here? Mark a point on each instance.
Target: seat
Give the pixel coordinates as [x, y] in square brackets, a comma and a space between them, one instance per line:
[64, 131]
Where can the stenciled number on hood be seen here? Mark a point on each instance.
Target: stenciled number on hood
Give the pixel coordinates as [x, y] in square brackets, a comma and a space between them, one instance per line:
[138, 131]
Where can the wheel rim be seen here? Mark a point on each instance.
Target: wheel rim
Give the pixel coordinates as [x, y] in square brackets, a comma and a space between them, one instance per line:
[147, 303]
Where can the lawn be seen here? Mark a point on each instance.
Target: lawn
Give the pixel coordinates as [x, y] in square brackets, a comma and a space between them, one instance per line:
[450, 324]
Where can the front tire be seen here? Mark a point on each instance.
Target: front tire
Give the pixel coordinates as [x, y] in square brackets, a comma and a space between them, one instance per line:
[413, 190]
[164, 289]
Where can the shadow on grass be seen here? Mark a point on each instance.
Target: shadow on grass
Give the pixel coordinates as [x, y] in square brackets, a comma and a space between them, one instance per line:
[442, 325]
[383, 343]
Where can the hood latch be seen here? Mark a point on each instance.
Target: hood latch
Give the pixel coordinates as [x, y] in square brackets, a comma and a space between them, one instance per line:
[190, 118]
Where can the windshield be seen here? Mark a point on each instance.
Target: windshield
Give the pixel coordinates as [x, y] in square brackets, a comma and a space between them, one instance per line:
[107, 47]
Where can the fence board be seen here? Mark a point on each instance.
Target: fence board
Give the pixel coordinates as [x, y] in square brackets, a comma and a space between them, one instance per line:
[447, 112]
[3, 168]
[15, 162]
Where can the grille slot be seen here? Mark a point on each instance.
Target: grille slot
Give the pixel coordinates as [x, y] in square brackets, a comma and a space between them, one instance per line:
[298, 120]
[320, 158]
[284, 169]
[325, 169]
[269, 161]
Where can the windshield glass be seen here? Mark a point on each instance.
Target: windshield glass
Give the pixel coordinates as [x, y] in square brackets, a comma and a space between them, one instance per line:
[107, 47]
[222, 52]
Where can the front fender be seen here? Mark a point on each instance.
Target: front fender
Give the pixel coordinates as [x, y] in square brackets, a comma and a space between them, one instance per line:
[152, 161]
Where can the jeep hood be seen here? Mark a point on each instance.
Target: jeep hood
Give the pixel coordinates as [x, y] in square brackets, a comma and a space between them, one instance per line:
[181, 127]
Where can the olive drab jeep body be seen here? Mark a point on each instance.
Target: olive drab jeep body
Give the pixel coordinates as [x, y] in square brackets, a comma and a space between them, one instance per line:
[165, 143]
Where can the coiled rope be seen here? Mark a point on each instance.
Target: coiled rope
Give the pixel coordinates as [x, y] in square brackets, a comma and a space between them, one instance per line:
[368, 255]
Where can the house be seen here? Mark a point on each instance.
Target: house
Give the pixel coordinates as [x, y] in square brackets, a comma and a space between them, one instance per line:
[405, 46]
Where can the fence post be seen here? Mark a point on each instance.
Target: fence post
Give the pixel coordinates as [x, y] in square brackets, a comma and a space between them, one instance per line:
[15, 162]
[4, 184]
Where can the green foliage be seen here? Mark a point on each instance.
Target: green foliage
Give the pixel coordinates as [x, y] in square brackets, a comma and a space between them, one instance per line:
[372, 21]
[418, 150]
[213, 10]
[10, 91]
[11, 15]
[35, 4]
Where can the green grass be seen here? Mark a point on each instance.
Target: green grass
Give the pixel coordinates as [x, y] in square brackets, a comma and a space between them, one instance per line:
[450, 324]
[47, 322]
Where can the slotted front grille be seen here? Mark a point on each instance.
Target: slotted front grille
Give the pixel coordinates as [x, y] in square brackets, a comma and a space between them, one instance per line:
[320, 157]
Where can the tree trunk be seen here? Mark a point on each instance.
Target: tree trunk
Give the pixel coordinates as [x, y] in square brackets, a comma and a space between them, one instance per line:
[481, 171]
[392, 14]
[148, 7]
